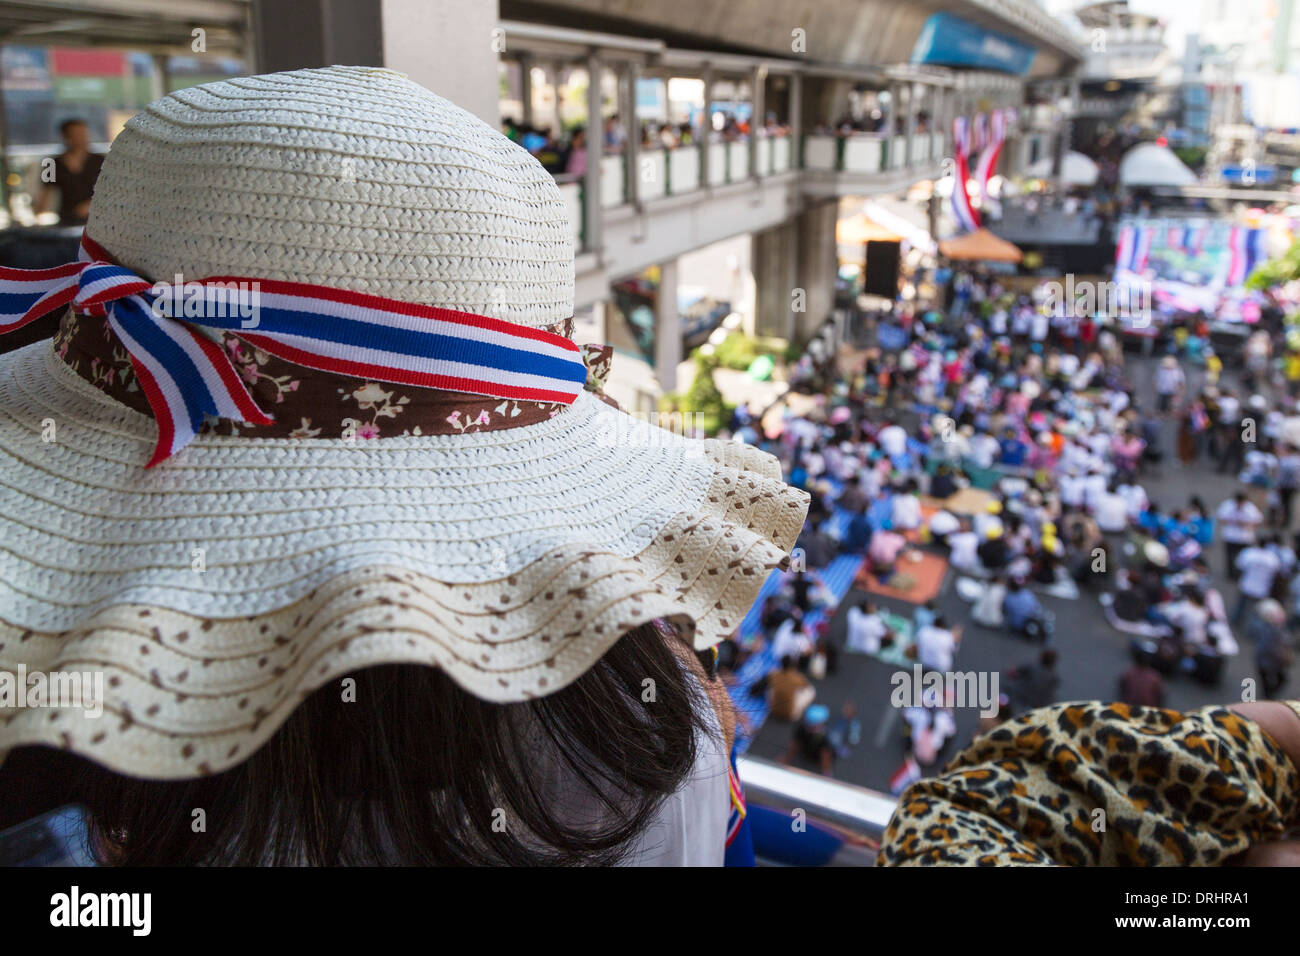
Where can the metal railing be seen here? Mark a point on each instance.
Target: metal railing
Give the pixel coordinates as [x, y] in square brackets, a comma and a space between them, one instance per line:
[846, 821]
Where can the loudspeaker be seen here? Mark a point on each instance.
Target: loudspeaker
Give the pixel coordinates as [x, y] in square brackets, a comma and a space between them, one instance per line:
[881, 275]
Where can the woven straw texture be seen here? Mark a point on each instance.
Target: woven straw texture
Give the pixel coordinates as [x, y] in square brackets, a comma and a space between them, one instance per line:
[348, 177]
[215, 591]
[511, 559]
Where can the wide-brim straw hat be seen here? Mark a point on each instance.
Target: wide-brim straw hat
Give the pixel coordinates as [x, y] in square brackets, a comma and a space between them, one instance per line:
[217, 590]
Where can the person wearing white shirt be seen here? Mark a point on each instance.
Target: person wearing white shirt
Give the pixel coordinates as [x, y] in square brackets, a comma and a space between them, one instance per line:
[1257, 567]
[1099, 444]
[936, 645]
[893, 439]
[1093, 487]
[962, 550]
[984, 449]
[1135, 498]
[791, 641]
[1039, 326]
[1072, 489]
[905, 515]
[1190, 616]
[1111, 511]
[942, 524]
[1229, 410]
[1237, 518]
[866, 629]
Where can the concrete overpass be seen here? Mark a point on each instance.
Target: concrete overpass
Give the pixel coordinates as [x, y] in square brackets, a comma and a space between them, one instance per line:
[638, 208]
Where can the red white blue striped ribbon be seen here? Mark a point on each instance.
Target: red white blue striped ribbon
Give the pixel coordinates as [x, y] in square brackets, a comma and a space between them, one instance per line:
[186, 376]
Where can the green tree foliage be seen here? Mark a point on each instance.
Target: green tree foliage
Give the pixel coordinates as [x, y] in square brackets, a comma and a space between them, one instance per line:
[1285, 268]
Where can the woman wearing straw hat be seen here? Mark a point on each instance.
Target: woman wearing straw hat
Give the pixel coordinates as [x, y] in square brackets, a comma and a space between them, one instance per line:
[365, 569]
[344, 553]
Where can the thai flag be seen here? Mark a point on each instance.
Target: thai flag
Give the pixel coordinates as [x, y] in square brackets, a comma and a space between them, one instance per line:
[1124, 249]
[988, 161]
[963, 211]
[905, 776]
[1142, 247]
[187, 377]
[1238, 255]
[1256, 250]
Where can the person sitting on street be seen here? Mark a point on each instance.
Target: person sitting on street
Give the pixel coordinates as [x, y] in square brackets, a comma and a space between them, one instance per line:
[1022, 611]
[789, 692]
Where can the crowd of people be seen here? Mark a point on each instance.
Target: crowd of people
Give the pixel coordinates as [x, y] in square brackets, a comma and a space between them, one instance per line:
[1025, 448]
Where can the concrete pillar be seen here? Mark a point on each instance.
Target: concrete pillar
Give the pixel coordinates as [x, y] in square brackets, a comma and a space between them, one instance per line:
[526, 89]
[449, 47]
[794, 273]
[817, 264]
[555, 74]
[591, 209]
[757, 119]
[796, 120]
[774, 262]
[161, 78]
[706, 129]
[913, 90]
[668, 328]
[632, 153]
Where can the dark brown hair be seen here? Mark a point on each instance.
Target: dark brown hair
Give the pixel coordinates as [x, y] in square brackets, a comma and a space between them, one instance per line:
[417, 771]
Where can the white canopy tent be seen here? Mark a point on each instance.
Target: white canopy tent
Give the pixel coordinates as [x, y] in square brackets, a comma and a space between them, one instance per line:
[1076, 169]
[1149, 164]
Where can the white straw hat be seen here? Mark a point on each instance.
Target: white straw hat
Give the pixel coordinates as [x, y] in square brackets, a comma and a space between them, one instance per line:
[217, 590]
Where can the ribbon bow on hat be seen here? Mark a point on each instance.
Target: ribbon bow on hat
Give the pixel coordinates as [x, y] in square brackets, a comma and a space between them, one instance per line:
[187, 376]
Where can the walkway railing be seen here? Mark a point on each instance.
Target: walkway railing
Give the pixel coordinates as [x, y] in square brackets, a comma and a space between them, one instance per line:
[677, 171]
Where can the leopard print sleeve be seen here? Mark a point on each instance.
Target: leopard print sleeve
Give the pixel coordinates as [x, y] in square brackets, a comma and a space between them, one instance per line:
[1088, 784]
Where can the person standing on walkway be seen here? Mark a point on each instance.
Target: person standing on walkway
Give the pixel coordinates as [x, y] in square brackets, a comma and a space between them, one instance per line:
[1238, 517]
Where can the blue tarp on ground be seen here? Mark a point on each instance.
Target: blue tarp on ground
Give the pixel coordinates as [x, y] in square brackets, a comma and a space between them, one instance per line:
[838, 577]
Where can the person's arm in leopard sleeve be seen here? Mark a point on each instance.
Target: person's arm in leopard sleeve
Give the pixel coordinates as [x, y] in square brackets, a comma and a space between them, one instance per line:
[1107, 784]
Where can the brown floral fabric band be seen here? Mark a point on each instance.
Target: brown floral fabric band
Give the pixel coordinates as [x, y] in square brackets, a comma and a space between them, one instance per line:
[307, 403]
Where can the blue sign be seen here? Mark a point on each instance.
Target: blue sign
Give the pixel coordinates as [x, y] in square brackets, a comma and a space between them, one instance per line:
[1261, 175]
[949, 40]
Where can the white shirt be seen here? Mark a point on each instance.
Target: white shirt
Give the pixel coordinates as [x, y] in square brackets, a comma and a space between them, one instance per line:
[935, 647]
[1072, 490]
[1111, 511]
[1257, 567]
[984, 449]
[962, 548]
[893, 440]
[1094, 486]
[1229, 410]
[943, 522]
[1135, 498]
[865, 631]
[789, 642]
[1190, 618]
[1169, 380]
[1238, 521]
[690, 826]
[906, 512]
